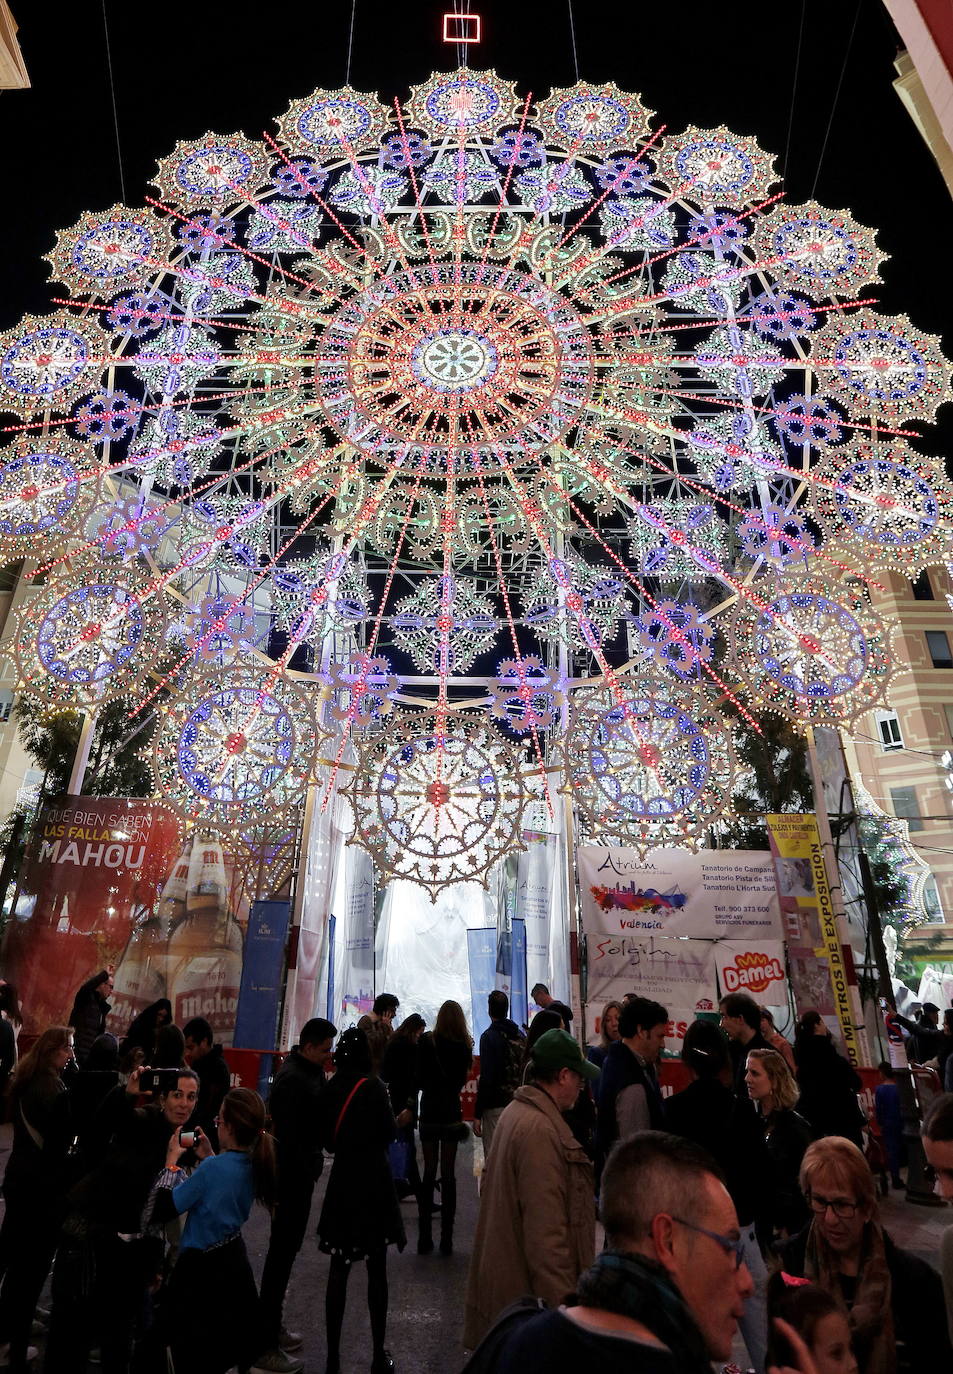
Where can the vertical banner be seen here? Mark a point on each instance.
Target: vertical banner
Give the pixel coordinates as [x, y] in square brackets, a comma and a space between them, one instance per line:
[481, 956]
[819, 968]
[537, 889]
[354, 937]
[92, 893]
[329, 1007]
[519, 1009]
[504, 891]
[256, 1025]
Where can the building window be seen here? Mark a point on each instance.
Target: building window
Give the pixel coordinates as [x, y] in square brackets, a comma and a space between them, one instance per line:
[922, 588]
[905, 806]
[888, 727]
[939, 646]
[6, 704]
[931, 902]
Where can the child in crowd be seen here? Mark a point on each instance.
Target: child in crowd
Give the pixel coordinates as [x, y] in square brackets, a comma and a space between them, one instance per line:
[815, 1316]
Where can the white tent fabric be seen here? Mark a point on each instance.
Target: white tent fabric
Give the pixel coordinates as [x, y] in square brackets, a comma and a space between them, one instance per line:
[422, 945]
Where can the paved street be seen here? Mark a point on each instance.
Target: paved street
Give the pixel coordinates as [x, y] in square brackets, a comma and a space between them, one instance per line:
[427, 1291]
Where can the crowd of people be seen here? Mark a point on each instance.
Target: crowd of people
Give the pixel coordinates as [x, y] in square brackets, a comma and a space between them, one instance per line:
[742, 1203]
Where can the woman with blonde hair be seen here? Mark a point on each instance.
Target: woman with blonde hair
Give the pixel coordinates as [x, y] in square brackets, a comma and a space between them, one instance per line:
[608, 1033]
[444, 1060]
[774, 1091]
[34, 1185]
[893, 1299]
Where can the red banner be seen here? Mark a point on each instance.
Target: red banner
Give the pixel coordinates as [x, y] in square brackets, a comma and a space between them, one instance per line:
[113, 881]
[94, 868]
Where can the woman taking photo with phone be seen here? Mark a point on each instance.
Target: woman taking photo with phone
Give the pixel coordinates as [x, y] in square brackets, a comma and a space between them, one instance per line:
[108, 1257]
[212, 1258]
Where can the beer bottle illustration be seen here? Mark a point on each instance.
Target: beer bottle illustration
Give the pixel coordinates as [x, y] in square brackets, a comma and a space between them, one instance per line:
[205, 947]
[143, 971]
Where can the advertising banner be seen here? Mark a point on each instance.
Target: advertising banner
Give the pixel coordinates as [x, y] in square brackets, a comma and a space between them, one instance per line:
[752, 966]
[518, 986]
[537, 898]
[354, 939]
[678, 973]
[820, 973]
[481, 957]
[710, 894]
[93, 875]
[256, 1024]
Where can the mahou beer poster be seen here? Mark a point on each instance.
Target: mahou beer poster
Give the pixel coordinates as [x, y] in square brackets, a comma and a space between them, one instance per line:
[94, 867]
[117, 881]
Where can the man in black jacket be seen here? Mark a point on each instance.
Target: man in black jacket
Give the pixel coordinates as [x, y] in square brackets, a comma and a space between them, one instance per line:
[215, 1079]
[542, 996]
[294, 1106]
[629, 1096]
[501, 1052]
[741, 1022]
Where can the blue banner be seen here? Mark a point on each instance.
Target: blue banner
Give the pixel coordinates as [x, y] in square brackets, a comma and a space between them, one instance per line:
[481, 953]
[518, 1000]
[256, 1023]
[332, 930]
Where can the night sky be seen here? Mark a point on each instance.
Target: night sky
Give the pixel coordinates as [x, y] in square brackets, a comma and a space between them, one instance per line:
[180, 70]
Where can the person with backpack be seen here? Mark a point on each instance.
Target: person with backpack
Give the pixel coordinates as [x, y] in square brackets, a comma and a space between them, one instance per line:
[502, 1050]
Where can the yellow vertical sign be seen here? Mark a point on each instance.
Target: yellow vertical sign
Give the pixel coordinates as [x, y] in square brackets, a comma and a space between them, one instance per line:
[808, 911]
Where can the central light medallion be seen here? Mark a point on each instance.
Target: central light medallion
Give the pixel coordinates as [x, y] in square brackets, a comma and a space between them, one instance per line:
[439, 374]
[454, 360]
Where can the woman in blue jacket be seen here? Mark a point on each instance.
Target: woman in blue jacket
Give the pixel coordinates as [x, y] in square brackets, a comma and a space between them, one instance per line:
[212, 1261]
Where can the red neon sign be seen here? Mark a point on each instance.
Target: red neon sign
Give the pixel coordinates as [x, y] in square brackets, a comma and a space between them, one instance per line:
[462, 28]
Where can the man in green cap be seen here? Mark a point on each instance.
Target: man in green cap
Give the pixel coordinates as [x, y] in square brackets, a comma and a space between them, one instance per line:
[536, 1231]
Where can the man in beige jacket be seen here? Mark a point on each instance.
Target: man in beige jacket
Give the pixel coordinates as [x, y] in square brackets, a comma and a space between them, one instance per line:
[536, 1231]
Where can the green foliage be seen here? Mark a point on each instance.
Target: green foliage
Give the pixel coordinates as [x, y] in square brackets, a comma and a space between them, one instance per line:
[775, 777]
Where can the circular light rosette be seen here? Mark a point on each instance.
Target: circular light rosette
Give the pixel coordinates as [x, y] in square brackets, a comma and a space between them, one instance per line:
[46, 362]
[883, 365]
[462, 103]
[105, 252]
[84, 642]
[885, 506]
[214, 171]
[716, 167]
[333, 122]
[437, 803]
[825, 252]
[813, 653]
[594, 119]
[443, 377]
[236, 745]
[47, 488]
[646, 764]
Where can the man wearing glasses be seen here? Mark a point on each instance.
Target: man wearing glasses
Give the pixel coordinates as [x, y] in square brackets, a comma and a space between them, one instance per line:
[668, 1290]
